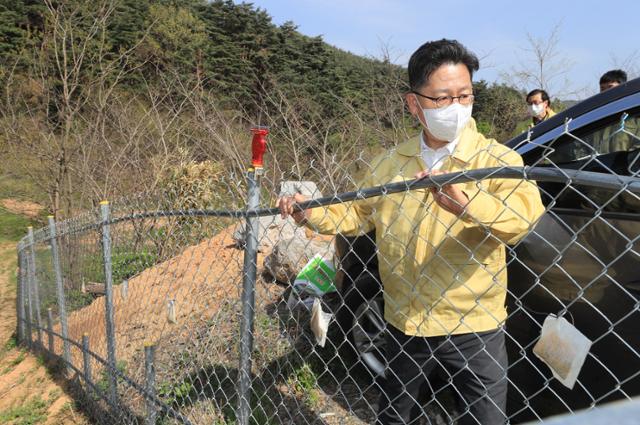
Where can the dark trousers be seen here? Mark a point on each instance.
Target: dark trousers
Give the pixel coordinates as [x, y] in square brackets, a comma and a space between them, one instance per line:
[476, 364]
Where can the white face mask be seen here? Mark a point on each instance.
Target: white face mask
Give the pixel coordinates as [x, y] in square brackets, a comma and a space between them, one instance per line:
[447, 123]
[536, 110]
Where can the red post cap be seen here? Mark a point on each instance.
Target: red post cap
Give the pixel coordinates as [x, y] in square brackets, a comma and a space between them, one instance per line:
[258, 145]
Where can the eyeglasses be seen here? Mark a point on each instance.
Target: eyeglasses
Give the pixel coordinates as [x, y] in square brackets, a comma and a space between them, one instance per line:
[443, 101]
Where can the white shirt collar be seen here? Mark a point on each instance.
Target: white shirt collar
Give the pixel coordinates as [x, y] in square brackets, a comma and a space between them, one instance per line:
[433, 158]
[449, 147]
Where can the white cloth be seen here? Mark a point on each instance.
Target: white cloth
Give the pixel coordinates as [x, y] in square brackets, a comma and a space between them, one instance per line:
[433, 158]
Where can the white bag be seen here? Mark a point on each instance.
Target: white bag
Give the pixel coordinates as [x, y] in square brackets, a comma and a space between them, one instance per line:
[563, 348]
[319, 322]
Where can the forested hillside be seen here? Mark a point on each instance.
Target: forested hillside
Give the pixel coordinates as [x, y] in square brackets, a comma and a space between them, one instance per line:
[234, 50]
[110, 97]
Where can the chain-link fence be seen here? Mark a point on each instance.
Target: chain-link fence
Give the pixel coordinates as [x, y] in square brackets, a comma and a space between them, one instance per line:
[197, 305]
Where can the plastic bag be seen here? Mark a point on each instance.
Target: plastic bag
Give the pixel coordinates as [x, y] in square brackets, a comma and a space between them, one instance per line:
[315, 279]
[319, 322]
[563, 348]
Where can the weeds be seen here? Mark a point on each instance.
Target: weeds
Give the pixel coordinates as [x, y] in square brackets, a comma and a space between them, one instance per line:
[12, 226]
[54, 394]
[15, 362]
[176, 394]
[103, 382]
[304, 382]
[33, 412]
[11, 343]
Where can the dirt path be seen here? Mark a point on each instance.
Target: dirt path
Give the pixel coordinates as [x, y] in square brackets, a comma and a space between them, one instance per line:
[26, 208]
[28, 393]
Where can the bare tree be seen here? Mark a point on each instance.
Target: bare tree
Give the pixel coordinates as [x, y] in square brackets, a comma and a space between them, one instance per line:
[630, 63]
[70, 73]
[66, 121]
[544, 66]
[82, 134]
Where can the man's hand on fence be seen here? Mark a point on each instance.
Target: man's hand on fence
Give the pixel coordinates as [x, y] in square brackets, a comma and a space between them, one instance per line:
[449, 196]
[286, 208]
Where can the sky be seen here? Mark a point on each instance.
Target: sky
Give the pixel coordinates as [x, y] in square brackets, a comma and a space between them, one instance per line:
[593, 36]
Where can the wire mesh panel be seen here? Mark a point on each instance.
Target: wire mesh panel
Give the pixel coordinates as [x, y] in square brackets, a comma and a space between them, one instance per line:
[435, 298]
[580, 263]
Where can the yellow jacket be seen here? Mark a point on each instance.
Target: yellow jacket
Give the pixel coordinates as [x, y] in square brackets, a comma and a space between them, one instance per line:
[550, 113]
[524, 126]
[441, 274]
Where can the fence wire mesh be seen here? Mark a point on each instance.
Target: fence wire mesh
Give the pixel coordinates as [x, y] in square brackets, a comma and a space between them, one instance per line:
[404, 265]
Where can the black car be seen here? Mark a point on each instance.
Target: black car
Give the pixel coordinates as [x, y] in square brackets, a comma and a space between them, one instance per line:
[581, 262]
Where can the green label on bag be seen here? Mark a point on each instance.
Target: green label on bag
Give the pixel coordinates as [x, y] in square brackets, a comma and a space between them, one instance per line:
[319, 274]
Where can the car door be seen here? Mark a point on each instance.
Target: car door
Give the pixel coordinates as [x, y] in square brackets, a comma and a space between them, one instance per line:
[587, 243]
[582, 259]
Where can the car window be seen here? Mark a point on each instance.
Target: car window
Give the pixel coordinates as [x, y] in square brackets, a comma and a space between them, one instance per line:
[594, 145]
[609, 146]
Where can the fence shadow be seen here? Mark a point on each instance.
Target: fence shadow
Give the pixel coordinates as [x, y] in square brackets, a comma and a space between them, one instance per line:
[74, 386]
[217, 384]
[346, 380]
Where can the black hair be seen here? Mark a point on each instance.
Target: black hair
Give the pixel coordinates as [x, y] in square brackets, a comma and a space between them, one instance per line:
[614, 76]
[542, 93]
[433, 54]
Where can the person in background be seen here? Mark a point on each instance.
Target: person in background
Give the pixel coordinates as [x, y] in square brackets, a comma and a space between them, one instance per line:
[616, 136]
[611, 79]
[539, 106]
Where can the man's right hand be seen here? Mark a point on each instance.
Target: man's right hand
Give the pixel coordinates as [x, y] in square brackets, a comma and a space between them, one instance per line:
[285, 204]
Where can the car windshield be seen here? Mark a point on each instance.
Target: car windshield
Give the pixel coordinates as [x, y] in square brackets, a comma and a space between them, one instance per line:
[595, 145]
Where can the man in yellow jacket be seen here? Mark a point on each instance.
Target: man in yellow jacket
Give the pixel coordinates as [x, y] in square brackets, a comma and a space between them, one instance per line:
[539, 106]
[441, 252]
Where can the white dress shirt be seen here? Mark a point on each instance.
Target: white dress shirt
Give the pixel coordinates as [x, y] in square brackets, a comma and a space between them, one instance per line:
[433, 158]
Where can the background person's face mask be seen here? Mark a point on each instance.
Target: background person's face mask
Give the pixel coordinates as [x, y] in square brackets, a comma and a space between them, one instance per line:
[447, 123]
[536, 110]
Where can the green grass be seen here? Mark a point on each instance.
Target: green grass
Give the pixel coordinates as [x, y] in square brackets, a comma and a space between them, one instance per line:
[13, 226]
[76, 299]
[13, 363]
[10, 344]
[127, 264]
[305, 382]
[18, 360]
[54, 394]
[176, 393]
[67, 407]
[124, 264]
[14, 186]
[33, 412]
[103, 382]
[42, 361]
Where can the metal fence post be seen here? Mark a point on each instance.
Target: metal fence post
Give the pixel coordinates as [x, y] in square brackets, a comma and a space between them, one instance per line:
[108, 295]
[27, 288]
[86, 362]
[150, 382]
[34, 283]
[20, 298]
[62, 310]
[249, 277]
[50, 330]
